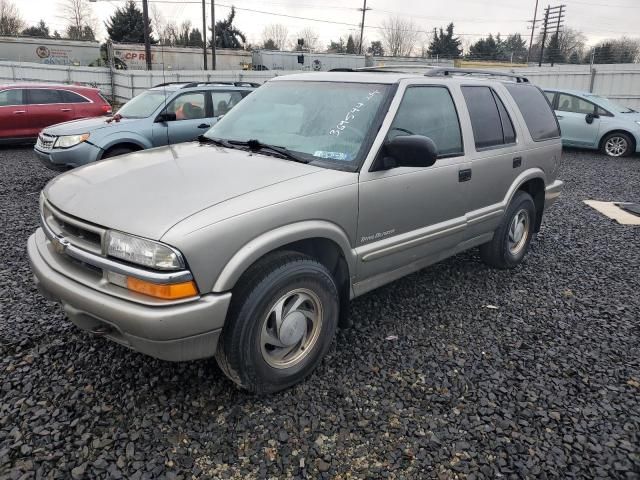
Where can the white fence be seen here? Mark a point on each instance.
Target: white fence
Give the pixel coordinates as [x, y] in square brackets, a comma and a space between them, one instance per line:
[618, 82]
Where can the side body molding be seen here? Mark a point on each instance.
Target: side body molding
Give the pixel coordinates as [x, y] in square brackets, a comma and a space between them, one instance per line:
[274, 239]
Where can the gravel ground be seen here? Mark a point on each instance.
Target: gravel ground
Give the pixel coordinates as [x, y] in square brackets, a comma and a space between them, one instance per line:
[430, 383]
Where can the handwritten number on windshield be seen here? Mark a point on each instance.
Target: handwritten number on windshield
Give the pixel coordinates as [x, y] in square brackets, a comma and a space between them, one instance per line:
[351, 114]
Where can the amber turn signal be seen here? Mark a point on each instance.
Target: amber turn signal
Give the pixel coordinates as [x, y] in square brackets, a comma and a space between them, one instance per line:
[174, 291]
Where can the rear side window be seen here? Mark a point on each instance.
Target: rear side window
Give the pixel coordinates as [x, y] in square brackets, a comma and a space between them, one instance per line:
[11, 97]
[72, 97]
[38, 96]
[535, 109]
[430, 111]
[490, 121]
[223, 102]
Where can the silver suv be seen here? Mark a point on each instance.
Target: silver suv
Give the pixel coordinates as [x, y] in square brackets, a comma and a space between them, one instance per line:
[317, 188]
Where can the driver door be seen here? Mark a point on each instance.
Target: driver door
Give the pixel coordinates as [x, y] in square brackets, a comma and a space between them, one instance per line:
[411, 216]
[572, 113]
[194, 116]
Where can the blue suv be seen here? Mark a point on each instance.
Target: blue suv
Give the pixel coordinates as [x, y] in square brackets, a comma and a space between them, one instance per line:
[590, 121]
[165, 114]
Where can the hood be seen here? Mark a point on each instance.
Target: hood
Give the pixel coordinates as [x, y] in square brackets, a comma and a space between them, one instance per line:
[633, 116]
[86, 125]
[147, 192]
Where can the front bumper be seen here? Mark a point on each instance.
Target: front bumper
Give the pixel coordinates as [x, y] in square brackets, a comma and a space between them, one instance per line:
[64, 158]
[552, 193]
[174, 332]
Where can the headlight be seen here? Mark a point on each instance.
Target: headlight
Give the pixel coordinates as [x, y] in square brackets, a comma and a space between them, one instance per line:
[638, 123]
[66, 141]
[143, 252]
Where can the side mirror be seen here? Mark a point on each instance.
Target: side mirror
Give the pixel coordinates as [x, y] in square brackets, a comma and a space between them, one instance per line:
[166, 117]
[590, 117]
[410, 151]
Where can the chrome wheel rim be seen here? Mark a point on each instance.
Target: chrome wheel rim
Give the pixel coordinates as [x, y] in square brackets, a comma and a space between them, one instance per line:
[291, 328]
[518, 232]
[616, 146]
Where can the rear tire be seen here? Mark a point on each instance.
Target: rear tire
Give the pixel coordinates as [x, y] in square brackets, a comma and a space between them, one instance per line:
[281, 323]
[511, 239]
[116, 151]
[617, 145]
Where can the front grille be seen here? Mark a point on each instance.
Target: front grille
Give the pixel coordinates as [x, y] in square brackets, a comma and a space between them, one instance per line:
[45, 141]
[80, 234]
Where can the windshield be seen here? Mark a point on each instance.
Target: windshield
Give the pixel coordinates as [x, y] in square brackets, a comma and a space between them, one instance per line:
[611, 105]
[324, 122]
[143, 105]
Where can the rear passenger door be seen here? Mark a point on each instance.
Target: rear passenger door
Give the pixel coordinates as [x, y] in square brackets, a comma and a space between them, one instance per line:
[497, 159]
[82, 106]
[47, 107]
[413, 214]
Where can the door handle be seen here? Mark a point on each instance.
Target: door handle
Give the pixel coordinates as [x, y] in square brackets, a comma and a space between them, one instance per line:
[17, 112]
[464, 175]
[559, 116]
[203, 125]
[517, 162]
[65, 109]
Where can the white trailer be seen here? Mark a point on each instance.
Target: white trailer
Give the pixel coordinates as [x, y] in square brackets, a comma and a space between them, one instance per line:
[48, 51]
[319, 62]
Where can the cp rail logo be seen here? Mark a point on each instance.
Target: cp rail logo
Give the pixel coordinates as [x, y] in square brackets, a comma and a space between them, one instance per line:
[42, 51]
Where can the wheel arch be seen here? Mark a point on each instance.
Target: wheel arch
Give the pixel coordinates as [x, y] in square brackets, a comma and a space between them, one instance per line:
[619, 130]
[536, 188]
[132, 142]
[324, 241]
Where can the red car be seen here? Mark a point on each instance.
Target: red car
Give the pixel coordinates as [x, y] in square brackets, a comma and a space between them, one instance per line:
[25, 109]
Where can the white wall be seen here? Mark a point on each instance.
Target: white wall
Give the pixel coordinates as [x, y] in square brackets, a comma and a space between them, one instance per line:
[618, 82]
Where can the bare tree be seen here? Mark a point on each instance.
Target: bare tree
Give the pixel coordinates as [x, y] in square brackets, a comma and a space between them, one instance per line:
[278, 33]
[365, 42]
[79, 17]
[399, 36]
[158, 23]
[310, 37]
[11, 22]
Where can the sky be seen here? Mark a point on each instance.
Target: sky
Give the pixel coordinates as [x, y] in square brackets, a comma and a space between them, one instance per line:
[597, 19]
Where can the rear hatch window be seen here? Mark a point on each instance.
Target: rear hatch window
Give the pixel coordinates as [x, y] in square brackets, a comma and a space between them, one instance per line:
[537, 113]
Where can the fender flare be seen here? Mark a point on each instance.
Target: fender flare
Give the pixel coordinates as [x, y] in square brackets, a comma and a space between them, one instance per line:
[531, 174]
[125, 137]
[269, 241]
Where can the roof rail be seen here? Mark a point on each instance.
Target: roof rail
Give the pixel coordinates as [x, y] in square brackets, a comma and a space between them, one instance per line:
[446, 72]
[166, 84]
[234, 84]
[385, 68]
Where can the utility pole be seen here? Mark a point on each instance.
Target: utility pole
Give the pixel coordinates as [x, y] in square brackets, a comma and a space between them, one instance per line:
[550, 14]
[364, 11]
[213, 36]
[204, 34]
[560, 14]
[533, 29]
[147, 41]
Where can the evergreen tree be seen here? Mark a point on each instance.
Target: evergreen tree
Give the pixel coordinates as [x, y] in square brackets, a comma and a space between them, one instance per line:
[227, 35]
[574, 58]
[126, 25]
[484, 49]
[270, 45]
[39, 30]
[376, 49]
[85, 33]
[445, 44]
[514, 47]
[195, 38]
[337, 47]
[351, 45]
[553, 54]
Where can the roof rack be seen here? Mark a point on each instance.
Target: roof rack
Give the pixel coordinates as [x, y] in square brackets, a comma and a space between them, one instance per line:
[196, 84]
[447, 72]
[384, 68]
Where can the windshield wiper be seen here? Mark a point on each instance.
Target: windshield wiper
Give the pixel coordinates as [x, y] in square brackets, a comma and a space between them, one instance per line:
[257, 145]
[215, 141]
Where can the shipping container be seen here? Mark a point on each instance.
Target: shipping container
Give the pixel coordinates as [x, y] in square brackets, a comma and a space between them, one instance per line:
[318, 62]
[48, 51]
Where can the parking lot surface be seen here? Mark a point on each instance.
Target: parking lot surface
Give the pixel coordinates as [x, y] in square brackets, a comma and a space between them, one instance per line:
[458, 371]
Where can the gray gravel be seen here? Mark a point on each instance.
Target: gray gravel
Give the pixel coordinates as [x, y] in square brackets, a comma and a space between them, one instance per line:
[545, 385]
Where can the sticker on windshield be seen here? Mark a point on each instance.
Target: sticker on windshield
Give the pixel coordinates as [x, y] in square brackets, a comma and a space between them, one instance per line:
[344, 157]
[351, 114]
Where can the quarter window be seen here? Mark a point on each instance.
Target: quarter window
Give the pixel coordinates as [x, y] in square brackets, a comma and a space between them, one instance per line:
[430, 111]
[550, 96]
[72, 97]
[490, 121]
[536, 111]
[39, 96]
[11, 97]
[189, 106]
[573, 104]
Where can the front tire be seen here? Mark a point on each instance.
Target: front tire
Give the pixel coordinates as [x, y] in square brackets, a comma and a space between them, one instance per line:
[282, 321]
[617, 145]
[512, 238]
